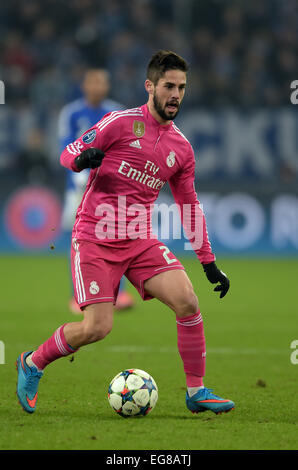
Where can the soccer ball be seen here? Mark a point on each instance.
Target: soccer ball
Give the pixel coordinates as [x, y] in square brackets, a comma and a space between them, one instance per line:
[133, 392]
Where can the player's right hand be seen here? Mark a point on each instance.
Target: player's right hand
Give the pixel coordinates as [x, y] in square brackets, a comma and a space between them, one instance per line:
[90, 158]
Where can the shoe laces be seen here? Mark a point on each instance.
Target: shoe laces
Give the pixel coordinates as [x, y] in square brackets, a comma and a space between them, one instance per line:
[208, 393]
[33, 379]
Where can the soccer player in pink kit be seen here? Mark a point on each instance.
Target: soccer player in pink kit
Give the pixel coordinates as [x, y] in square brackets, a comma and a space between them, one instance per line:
[132, 154]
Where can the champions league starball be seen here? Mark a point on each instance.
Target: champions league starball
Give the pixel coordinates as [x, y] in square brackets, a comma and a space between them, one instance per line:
[133, 392]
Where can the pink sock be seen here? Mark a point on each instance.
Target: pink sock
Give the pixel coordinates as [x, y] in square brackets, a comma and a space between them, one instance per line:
[55, 347]
[192, 348]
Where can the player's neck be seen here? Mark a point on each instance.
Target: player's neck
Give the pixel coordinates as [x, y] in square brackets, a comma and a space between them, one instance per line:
[155, 114]
[93, 103]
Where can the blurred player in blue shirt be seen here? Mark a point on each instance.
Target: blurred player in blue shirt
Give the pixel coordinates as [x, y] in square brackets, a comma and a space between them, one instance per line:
[75, 118]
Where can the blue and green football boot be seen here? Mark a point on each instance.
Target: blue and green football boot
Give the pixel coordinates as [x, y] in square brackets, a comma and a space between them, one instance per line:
[27, 385]
[204, 400]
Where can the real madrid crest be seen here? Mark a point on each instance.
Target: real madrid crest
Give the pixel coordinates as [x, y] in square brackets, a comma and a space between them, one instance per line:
[171, 159]
[94, 288]
[139, 128]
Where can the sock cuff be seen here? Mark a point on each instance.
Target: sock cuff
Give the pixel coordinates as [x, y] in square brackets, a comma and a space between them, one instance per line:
[61, 342]
[191, 320]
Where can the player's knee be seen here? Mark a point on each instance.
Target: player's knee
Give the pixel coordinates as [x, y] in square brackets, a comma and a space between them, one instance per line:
[101, 332]
[187, 304]
[95, 331]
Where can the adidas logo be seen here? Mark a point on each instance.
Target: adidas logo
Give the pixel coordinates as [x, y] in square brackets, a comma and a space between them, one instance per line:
[136, 144]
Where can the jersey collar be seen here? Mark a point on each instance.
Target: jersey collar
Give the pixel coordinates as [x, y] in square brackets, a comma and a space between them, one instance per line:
[153, 121]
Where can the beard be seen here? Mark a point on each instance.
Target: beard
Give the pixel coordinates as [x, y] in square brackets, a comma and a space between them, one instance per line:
[165, 115]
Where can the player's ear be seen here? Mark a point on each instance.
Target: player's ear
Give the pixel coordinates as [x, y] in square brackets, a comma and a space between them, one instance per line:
[149, 87]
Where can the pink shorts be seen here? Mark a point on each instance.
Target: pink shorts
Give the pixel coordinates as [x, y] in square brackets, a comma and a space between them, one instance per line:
[98, 269]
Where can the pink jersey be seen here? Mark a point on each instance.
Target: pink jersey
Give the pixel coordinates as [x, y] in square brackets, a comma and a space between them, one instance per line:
[141, 156]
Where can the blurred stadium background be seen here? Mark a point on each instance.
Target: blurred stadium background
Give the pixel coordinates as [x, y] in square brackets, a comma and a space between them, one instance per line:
[240, 119]
[237, 111]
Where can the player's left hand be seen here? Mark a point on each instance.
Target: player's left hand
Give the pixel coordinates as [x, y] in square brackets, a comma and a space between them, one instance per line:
[215, 275]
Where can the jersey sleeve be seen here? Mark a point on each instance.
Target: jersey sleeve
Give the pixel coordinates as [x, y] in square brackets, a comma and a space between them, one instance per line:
[102, 136]
[192, 215]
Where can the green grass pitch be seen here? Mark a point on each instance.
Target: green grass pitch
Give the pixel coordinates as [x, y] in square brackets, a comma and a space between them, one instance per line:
[249, 335]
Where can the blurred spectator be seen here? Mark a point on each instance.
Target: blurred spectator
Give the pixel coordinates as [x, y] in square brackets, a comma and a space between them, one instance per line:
[48, 89]
[33, 160]
[43, 43]
[17, 65]
[234, 48]
[113, 17]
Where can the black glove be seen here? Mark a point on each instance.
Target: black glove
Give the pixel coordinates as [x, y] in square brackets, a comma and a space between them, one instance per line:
[215, 275]
[90, 158]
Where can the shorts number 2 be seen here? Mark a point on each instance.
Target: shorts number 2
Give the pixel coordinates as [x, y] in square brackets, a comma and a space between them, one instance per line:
[166, 251]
